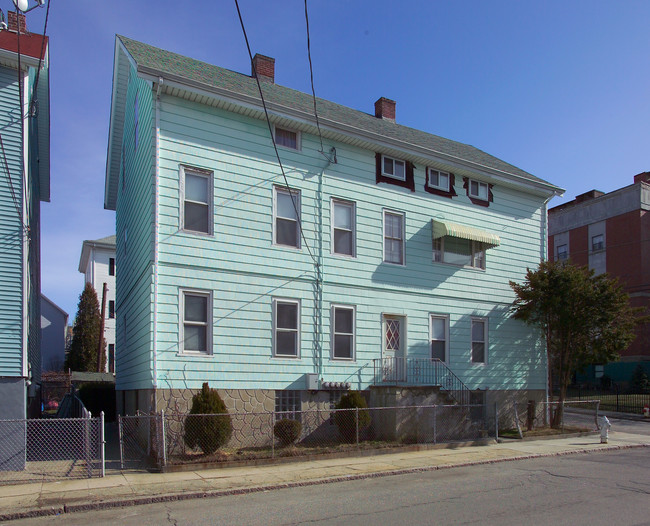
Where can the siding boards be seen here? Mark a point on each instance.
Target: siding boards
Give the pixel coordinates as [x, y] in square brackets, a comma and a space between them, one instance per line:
[11, 232]
[245, 271]
[134, 228]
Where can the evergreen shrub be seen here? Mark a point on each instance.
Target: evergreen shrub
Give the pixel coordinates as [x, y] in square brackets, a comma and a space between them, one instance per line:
[346, 421]
[208, 425]
[287, 431]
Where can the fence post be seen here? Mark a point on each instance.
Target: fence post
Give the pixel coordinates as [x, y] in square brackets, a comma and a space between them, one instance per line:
[163, 437]
[86, 443]
[102, 444]
[435, 418]
[357, 423]
[496, 421]
[273, 434]
[121, 439]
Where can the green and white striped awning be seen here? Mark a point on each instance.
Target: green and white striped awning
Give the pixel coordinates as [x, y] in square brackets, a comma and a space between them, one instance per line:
[445, 228]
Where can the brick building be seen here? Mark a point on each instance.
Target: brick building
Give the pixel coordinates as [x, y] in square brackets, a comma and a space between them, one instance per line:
[610, 232]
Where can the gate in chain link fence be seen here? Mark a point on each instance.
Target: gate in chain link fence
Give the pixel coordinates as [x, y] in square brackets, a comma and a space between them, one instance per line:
[141, 441]
[51, 449]
[532, 415]
[162, 439]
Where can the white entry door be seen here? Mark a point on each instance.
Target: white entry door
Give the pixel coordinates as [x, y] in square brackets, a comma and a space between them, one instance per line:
[394, 351]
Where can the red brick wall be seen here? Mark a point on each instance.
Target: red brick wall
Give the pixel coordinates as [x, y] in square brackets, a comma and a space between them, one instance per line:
[579, 246]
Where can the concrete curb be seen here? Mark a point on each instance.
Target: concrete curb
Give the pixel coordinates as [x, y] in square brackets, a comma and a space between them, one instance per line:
[171, 497]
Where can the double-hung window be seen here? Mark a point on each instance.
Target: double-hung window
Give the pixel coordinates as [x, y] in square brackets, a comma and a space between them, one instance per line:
[458, 251]
[343, 228]
[479, 340]
[287, 217]
[196, 322]
[478, 190]
[343, 332]
[597, 242]
[439, 337]
[111, 309]
[394, 168]
[287, 138]
[286, 328]
[562, 252]
[439, 180]
[393, 237]
[197, 200]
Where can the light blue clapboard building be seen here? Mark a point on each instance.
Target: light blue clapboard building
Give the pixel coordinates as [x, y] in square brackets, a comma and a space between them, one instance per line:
[24, 183]
[380, 257]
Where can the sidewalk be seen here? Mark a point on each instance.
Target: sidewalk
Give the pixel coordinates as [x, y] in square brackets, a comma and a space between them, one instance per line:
[131, 488]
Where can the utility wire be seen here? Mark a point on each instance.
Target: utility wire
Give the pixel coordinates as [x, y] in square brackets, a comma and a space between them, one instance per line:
[275, 147]
[40, 59]
[311, 75]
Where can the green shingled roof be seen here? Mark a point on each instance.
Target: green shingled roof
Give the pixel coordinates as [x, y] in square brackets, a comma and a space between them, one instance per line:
[195, 71]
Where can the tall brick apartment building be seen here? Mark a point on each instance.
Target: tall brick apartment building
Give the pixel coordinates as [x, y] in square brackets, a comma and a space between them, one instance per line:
[610, 232]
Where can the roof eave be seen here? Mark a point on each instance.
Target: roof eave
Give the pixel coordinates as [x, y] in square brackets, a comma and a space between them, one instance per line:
[344, 130]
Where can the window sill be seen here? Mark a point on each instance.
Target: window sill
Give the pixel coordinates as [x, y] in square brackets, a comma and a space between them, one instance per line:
[344, 256]
[291, 247]
[344, 360]
[401, 180]
[394, 264]
[287, 357]
[466, 267]
[202, 355]
[195, 233]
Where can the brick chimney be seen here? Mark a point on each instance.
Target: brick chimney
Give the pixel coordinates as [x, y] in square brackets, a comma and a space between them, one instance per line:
[643, 177]
[13, 20]
[385, 109]
[265, 67]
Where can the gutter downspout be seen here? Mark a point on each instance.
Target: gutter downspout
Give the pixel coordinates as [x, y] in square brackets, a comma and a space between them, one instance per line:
[156, 235]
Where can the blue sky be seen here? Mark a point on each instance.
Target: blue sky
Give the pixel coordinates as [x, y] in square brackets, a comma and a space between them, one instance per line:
[559, 89]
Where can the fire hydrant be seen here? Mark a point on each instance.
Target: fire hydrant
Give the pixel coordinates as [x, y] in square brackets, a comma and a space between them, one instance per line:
[604, 430]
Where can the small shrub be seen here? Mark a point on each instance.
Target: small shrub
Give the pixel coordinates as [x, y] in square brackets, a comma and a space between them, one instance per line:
[287, 431]
[640, 382]
[346, 421]
[208, 425]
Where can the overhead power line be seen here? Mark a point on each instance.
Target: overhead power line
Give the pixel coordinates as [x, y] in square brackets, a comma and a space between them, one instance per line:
[275, 147]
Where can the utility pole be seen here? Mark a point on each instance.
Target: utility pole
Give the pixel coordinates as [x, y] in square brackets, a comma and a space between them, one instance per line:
[100, 350]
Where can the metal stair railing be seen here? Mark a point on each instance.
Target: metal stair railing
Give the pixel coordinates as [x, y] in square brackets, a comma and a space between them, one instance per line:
[421, 371]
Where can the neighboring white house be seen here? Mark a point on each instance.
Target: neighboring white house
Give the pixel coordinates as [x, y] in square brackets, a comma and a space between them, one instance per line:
[97, 263]
[54, 323]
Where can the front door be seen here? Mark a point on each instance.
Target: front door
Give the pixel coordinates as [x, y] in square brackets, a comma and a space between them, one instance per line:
[394, 355]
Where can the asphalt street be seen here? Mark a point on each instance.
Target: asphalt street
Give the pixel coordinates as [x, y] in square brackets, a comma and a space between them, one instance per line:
[594, 488]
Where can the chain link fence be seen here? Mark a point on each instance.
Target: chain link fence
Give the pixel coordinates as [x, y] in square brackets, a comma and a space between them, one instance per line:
[51, 449]
[534, 416]
[249, 436]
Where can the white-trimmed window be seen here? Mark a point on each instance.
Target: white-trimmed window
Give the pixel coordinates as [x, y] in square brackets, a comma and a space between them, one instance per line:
[288, 405]
[196, 197]
[111, 309]
[394, 237]
[111, 266]
[343, 228]
[286, 328]
[439, 179]
[562, 252]
[597, 242]
[478, 190]
[395, 168]
[458, 251]
[439, 335]
[196, 322]
[479, 340]
[287, 217]
[287, 138]
[343, 331]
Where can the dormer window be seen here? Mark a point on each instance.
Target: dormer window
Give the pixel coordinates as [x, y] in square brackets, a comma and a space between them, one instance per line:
[287, 138]
[439, 180]
[478, 190]
[394, 168]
